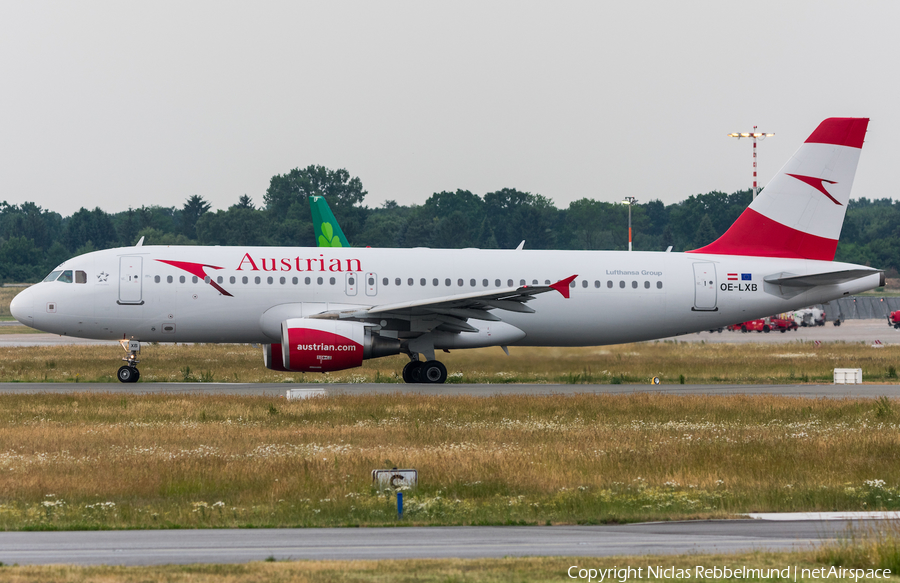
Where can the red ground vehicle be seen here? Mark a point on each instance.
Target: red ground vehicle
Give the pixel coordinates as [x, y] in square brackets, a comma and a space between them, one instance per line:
[894, 319]
[751, 326]
[782, 324]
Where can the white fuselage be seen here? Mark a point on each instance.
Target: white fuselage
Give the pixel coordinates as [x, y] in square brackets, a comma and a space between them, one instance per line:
[618, 296]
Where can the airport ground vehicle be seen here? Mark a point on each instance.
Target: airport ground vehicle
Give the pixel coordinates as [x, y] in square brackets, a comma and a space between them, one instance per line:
[758, 325]
[894, 319]
[809, 317]
[782, 324]
[324, 309]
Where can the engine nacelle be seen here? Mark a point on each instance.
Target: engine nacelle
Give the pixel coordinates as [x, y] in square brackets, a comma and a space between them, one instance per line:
[272, 357]
[309, 345]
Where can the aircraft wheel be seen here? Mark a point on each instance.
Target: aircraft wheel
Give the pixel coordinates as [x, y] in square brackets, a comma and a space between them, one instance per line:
[766, 329]
[128, 374]
[743, 329]
[412, 372]
[434, 372]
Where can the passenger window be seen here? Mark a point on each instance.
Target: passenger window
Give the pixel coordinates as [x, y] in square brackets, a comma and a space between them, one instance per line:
[447, 282]
[472, 282]
[282, 280]
[534, 282]
[546, 282]
[331, 280]
[156, 279]
[194, 279]
[53, 275]
[509, 283]
[497, 282]
[66, 276]
[231, 279]
[219, 279]
[422, 282]
[350, 281]
[307, 281]
[646, 285]
[257, 280]
[521, 282]
[634, 284]
[207, 279]
[434, 281]
[622, 284]
[609, 284]
[397, 281]
[572, 283]
[181, 279]
[319, 280]
[169, 279]
[410, 282]
[584, 283]
[484, 283]
[270, 280]
[459, 282]
[384, 280]
[597, 283]
[658, 285]
[295, 281]
[80, 277]
[244, 279]
[371, 280]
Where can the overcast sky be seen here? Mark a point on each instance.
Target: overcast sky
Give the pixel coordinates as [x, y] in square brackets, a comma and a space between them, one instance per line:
[118, 104]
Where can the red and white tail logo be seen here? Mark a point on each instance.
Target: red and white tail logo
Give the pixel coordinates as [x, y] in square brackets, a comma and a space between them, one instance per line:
[800, 212]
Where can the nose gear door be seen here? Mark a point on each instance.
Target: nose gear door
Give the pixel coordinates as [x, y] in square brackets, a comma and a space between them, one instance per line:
[130, 280]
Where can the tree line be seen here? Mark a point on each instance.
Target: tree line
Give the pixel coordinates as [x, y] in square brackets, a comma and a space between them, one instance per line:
[34, 240]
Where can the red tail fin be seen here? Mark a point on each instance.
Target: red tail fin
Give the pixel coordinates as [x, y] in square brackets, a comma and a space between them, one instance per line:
[800, 212]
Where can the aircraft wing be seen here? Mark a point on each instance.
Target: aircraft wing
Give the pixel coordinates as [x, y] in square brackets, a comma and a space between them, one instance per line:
[451, 312]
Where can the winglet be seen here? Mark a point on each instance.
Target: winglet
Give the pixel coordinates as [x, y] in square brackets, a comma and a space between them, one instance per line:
[562, 286]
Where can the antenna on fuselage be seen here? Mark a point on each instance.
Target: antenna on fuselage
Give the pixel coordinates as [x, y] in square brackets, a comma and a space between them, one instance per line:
[139, 243]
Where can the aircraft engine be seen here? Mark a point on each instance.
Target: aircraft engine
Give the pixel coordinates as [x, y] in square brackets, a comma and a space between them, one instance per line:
[309, 345]
[272, 357]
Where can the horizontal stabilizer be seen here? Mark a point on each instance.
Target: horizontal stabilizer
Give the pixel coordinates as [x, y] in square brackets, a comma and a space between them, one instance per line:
[815, 279]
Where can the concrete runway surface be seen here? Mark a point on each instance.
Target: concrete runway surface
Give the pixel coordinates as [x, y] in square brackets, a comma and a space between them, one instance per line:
[479, 390]
[155, 547]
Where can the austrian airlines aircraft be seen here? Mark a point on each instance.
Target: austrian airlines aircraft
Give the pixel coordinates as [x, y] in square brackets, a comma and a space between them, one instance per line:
[327, 309]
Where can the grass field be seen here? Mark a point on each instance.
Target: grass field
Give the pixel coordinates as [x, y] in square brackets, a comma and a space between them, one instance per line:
[507, 570]
[672, 362]
[162, 461]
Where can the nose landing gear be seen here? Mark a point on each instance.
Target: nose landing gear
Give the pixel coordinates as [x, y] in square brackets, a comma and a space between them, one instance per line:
[129, 373]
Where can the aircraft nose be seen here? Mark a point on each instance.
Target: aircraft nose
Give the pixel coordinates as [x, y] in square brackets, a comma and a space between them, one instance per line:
[22, 308]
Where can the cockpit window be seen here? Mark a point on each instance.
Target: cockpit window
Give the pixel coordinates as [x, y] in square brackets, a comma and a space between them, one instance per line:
[80, 277]
[53, 275]
[66, 276]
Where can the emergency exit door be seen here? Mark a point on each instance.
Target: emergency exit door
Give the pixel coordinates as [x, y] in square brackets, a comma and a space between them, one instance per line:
[705, 286]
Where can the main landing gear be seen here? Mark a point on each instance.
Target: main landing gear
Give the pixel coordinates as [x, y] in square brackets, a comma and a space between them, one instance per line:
[129, 373]
[430, 371]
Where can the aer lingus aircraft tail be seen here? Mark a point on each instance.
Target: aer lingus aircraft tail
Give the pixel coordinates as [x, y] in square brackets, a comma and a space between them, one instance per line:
[328, 232]
[800, 212]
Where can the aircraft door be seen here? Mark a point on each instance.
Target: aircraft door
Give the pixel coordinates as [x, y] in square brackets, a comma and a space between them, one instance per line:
[705, 287]
[371, 284]
[130, 280]
[352, 283]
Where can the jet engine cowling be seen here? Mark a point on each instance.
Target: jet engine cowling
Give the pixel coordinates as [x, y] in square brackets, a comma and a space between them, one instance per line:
[310, 345]
[272, 357]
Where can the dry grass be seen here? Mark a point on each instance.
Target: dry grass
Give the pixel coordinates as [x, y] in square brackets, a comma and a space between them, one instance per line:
[695, 362]
[506, 570]
[113, 461]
